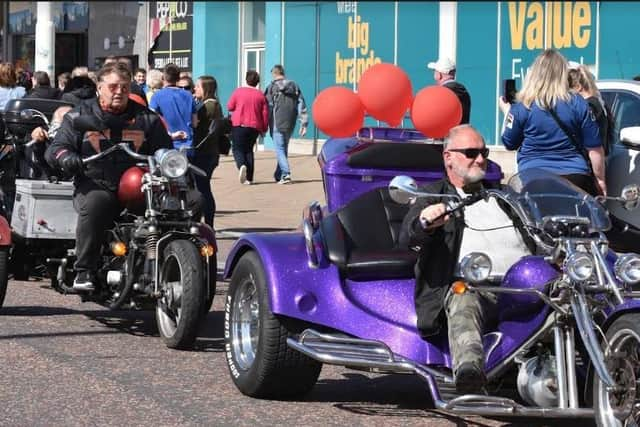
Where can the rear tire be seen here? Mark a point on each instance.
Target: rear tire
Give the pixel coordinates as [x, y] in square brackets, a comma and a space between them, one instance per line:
[623, 337]
[259, 360]
[179, 311]
[4, 272]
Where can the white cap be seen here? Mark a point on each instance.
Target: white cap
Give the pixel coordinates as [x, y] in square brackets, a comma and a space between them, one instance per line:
[573, 65]
[444, 65]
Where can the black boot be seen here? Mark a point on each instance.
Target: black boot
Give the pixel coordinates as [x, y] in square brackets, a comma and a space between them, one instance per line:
[470, 379]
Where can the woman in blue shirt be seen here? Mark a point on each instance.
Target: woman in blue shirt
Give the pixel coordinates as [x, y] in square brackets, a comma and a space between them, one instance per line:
[8, 85]
[530, 127]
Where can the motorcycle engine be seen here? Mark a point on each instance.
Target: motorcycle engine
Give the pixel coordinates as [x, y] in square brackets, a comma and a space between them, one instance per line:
[537, 383]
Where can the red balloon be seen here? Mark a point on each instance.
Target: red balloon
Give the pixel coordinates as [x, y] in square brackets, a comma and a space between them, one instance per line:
[338, 112]
[385, 91]
[435, 110]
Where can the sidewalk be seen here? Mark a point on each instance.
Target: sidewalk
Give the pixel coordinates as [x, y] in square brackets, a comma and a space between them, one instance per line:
[264, 206]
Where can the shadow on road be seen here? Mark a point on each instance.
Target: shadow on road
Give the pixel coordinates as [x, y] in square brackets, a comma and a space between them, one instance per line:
[361, 394]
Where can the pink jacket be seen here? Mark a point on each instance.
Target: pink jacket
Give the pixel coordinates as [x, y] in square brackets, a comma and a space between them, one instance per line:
[249, 107]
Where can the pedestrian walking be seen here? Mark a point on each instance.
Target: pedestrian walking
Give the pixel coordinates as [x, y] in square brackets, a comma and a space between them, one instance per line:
[286, 104]
[177, 107]
[207, 155]
[444, 73]
[249, 119]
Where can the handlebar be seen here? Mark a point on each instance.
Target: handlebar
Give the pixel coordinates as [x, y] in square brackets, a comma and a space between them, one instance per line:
[452, 207]
[121, 146]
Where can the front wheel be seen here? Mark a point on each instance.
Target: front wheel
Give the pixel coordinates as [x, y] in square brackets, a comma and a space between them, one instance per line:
[620, 407]
[182, 283]
[259, 360]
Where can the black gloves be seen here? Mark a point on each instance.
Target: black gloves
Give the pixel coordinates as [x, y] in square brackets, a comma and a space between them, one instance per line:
[70, 162]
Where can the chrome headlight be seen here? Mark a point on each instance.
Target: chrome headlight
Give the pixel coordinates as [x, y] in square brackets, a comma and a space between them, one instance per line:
[627, 268]
[173, 163]
[475, 267]
[579, 266]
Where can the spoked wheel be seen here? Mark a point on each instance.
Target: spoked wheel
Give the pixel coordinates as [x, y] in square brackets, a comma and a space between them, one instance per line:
[621, 406]
[180, 308]
[260, 362]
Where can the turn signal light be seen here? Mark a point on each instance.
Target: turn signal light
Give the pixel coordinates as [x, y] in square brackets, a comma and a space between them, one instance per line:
[119, 248]
[207, 250]
[459, 287]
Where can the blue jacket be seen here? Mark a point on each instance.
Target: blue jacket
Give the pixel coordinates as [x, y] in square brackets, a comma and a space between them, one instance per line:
[541, 143]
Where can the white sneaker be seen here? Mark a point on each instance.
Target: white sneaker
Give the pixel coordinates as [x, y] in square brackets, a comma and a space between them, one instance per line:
[247, 182]
[242, 174]
[286, 179]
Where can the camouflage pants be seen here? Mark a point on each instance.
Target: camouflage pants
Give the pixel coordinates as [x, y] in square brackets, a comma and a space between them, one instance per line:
[466, 317]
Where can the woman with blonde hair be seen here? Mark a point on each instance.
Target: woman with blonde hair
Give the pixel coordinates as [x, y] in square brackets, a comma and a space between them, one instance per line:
[582, 82]
[9, 88]
[552, 128]
[154, 83]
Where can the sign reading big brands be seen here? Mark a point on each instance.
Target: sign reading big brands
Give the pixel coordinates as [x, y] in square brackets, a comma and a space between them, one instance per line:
[171, 33]
[530, 27]
[359, 55]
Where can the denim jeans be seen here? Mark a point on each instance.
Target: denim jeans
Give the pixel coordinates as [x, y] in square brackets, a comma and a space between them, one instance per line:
[281, 142]
[206, 162]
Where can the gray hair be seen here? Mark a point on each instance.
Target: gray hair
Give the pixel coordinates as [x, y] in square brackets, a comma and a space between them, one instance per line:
[154, 79]
[454, 131]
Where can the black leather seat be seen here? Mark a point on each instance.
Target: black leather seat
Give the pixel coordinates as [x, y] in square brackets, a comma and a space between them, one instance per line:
[361, 238]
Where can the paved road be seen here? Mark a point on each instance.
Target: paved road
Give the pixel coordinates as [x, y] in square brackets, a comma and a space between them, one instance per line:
[63, 362]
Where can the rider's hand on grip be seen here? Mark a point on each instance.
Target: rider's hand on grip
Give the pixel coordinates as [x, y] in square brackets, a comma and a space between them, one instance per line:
[71, 163]
[434, 216]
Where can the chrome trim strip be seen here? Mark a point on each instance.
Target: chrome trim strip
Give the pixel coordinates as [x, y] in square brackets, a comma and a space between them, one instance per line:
[591, 343]
[561, 372]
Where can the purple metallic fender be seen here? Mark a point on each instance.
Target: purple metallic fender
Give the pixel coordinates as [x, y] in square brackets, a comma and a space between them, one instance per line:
[380, 310]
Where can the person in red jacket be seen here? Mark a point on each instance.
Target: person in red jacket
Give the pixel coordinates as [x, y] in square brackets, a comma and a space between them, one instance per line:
[249, 119]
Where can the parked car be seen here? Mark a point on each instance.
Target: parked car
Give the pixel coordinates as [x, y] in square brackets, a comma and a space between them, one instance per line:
[622, 97]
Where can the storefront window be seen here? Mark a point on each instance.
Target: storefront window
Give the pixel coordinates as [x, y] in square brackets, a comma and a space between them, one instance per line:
[253, 21]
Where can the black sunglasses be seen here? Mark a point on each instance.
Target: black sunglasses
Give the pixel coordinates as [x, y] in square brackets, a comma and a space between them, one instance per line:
[471, 153]
[185, 87]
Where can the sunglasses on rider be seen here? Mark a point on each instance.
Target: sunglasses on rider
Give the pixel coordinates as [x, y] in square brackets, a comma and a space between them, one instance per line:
[472, 153]
[189, 88]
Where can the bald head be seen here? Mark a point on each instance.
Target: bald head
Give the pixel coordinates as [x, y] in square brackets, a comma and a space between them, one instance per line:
[464, 156]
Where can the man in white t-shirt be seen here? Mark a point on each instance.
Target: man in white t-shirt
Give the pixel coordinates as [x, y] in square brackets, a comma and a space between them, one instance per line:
[485, 226]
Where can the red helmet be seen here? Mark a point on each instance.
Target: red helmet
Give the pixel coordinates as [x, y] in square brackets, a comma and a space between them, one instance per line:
[129, 190]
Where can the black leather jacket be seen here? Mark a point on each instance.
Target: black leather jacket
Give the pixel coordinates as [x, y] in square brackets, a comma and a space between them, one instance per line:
[438, 254]
[137, 122]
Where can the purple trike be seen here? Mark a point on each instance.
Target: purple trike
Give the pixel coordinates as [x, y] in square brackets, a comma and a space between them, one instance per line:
[340, 292]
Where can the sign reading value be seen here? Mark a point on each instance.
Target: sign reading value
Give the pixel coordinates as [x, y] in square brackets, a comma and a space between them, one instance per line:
[531, 27]
[171, 33]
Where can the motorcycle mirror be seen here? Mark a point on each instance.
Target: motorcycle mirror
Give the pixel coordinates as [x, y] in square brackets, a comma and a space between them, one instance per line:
[87, 123]
[402, 189]
[630, 195]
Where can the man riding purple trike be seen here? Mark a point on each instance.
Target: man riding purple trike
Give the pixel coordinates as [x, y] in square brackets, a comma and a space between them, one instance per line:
[460, 280]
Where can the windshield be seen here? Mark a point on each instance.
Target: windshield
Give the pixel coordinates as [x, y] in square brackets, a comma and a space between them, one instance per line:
[541, 194]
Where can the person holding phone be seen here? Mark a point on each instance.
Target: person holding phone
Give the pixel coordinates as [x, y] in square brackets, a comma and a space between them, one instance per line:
[552, 127]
